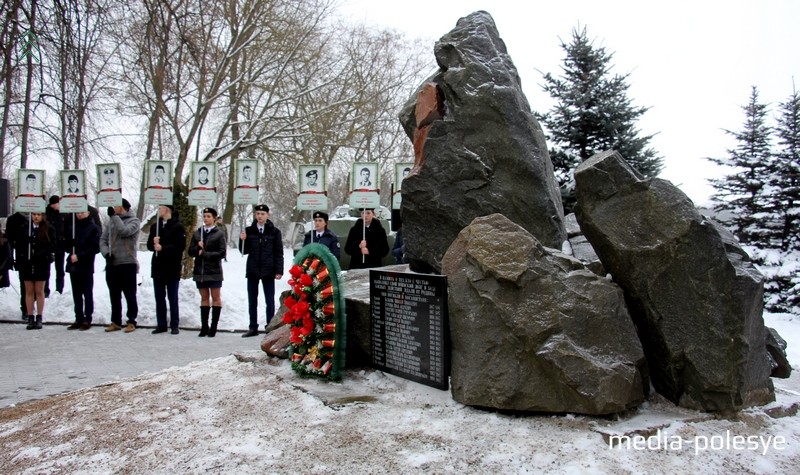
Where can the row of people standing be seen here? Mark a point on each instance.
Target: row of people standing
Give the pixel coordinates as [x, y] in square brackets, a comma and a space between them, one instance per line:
[118, 242]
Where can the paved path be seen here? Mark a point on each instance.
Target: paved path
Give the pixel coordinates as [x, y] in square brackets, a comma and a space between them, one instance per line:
[40, 363]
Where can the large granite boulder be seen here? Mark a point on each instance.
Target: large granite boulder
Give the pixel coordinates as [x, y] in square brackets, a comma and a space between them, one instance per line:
[533, 330]
[694, 295]
[479, 150]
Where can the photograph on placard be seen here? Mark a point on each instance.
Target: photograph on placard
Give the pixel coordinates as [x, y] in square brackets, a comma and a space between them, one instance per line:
[204, 175]
[246, 173]
[159, 174]
[311, 178]
[72, 182]
[108, 174]
[401, 171]
[30, 182]
[365, 176]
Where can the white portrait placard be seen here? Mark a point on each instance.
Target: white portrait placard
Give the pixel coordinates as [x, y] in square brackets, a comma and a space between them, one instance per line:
[30, 191]
[245, 191]
[158, 182]
[73, 191]
[401, 170]
[312, 181]
[203, 184]
[109, 185]
[364, 180]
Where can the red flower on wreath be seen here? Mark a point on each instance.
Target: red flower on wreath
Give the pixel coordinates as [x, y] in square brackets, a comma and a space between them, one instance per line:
[300, 309]
[305, 280]
[296, 271]
[295, 337]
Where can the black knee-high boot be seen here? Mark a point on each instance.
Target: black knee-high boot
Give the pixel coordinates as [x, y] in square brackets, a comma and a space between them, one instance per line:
[30, 325]
[204, 320]
[214, 320]
[38, 323]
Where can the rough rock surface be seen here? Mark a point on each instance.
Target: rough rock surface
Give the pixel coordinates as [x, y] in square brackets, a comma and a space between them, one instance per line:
[694, 295]
[479, 149]
[533, 330]
[776, 347]
[276, 342]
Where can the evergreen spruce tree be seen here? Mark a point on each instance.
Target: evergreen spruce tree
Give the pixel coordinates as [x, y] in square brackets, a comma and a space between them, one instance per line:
[786, 180]
[785, 203]
[742, 192]
[593, 114]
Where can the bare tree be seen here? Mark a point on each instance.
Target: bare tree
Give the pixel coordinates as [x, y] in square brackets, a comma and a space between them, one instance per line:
[8, 40]
[29, 73]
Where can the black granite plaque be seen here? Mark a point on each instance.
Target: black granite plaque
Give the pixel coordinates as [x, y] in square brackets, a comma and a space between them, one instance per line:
[409, 326]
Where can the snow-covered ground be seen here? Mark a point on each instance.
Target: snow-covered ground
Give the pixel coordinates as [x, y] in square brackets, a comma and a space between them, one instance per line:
[252, 414]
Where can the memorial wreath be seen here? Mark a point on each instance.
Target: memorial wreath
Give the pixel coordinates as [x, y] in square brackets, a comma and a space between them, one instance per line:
[316, 314]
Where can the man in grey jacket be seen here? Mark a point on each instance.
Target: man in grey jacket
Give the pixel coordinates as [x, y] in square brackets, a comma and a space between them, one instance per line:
[118, 245]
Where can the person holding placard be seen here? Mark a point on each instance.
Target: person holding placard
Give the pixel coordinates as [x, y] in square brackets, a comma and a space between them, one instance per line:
[167, 240]
[262, 244]
[322, 235]
[119, 245]
[80, 266]
[208, 247]
[34, 253]
[367, 238]
[16, 226]
[56, 221]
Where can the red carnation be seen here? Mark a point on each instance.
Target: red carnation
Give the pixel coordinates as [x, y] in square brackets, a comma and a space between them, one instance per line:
[300, 308]
[308, 325]
[289, 302]
[305, 280]
[288, 317]
[296, 271]
[295, 336]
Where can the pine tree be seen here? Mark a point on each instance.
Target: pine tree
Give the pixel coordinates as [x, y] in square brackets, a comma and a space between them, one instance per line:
[742, 192]
[785, 203]
[593, 114]
[786, 181]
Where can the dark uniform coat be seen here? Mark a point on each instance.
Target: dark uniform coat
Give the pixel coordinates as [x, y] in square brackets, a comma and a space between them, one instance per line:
[377, 244]
[86, 244]
[208, 266]
[264, 252]
[328, 239]
[167, 264]
[36, 265]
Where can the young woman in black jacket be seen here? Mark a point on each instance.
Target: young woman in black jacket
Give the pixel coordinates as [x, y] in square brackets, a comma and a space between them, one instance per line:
[208, 247]
[34, 252]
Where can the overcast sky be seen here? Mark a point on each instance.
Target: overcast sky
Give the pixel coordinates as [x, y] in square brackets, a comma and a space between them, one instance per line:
[691, 62]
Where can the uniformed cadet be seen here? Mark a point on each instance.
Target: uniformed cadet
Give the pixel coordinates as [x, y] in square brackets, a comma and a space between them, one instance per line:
[322, 235]
[208, 248]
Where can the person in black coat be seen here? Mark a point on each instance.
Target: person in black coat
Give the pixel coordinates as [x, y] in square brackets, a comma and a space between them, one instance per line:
[322, 235]
[208, 247]
[367, 238]
[56, 221]
[16, 225]
[81, 251]
[34, 254]
[262, 244]
[168, 240]
[6, 259]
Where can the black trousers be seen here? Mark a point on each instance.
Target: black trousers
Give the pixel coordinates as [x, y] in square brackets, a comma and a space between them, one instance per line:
[268, 285]
[59, 265]
[82, 295]
[121, 280]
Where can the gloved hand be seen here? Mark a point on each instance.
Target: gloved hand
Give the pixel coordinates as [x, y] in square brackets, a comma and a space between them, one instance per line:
[111, 211]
